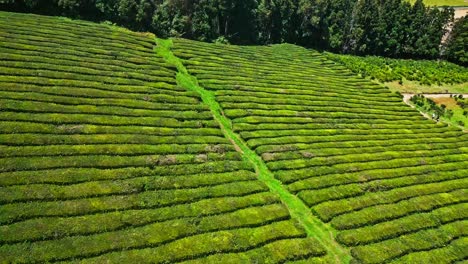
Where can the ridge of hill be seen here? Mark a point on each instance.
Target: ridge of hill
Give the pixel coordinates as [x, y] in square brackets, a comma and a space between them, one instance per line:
[118, 147]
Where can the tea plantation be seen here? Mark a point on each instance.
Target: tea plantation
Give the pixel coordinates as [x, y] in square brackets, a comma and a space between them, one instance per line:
[392, 183]
[118, 147]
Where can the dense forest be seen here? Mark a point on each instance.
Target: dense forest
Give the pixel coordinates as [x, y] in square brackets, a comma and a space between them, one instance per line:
[392, 28]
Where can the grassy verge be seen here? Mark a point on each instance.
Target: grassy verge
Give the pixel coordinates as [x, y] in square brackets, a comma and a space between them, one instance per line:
[298, 210]
[415, 87]
[443, 2]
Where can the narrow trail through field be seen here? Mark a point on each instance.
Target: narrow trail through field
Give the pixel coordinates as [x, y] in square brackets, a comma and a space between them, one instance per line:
[314, 227]
[407, 97]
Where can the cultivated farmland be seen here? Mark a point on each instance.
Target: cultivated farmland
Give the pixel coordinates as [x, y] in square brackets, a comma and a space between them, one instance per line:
[119, 147]
[105, 158]
[392, 183]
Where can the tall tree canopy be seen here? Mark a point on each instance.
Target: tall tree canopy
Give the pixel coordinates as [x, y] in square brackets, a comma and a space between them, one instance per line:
[392, 28]
[457, 43]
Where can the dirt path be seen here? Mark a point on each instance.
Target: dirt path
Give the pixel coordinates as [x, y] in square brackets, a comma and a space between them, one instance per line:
[407, 96]
[461, 12]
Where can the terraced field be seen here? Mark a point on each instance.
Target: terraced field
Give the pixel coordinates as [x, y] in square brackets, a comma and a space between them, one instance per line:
[119, 147]
[104, 158]
[392, 183]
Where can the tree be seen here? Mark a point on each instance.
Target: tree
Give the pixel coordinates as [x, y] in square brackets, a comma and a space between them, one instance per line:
[457, 42]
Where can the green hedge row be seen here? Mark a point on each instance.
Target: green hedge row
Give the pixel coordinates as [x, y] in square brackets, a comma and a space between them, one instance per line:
[8, 127]
[314, 106]
[72, 57]
[46, 139]
[357, 144]
[313, 197]
[78, 175]
[331, 209]
[103, 98]
[278, 251]
[110, 161]
[305, 84]
[41, 228]
[28, 80]
[292, 90]
[117, 58]
[301, 102]
[385, 212]
[99, 52]
[455, 252]
[348, 149]
[340, 131]
[82, 43]
[66, 37]
[363, 167]
[116, 221]
[265, 82]
[356, 157]
[403, 226]
[104, 32]
[33, 192]
[232, 85]
[14, 212]
[105, 120]
[49, 59]
[327, 120]
[27, 65]
[83, 94]
[160, 234]
[247, 69]
[337, 138]
[54, 74]
[383, 178]
[113, 149]
[194, 247]
[323, 96]
[388, 250]
[45, 107]
[317, 126]
[81, 88]
[338, 112]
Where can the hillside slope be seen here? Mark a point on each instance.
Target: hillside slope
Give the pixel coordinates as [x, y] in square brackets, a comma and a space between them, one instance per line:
[390, 181]
[103, 157]
[113, 149]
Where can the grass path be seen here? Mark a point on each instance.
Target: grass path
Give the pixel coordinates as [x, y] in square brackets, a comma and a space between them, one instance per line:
[324, 233]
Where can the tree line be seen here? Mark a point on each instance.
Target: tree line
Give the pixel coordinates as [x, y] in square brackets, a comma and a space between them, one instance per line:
[392, 28]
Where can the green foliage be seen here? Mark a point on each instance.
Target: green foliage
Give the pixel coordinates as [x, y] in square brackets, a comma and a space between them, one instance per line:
[106, 152]
[454, 115]
[352, 151]
[390, 28]
[386, 70]
[457, 43]
[114, 150]
[424, 240]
